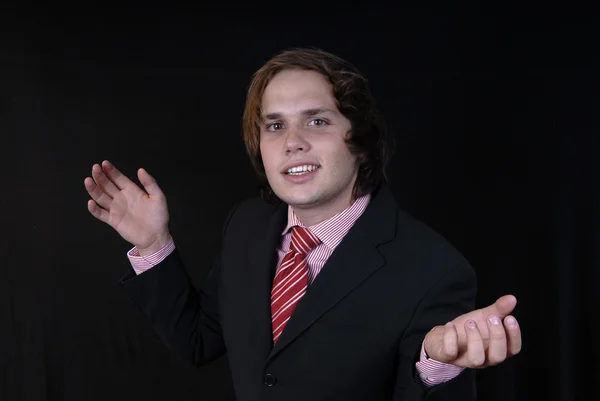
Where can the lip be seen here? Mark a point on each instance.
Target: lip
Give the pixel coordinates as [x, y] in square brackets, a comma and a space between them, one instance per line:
[300, 179]
[298, 163]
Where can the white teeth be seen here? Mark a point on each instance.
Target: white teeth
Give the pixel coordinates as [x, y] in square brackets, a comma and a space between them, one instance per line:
[302, 169]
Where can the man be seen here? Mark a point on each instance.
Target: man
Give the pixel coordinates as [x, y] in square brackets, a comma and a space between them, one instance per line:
[324, 289]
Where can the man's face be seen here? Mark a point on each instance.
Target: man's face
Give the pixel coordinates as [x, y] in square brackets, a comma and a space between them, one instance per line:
[307, 162]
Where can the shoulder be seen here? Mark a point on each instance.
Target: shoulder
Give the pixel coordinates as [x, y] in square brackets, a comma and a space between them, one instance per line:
[254, 208]
[251, 212]
[426, 249]
[400, 233]
[426, 261]
[421, 235]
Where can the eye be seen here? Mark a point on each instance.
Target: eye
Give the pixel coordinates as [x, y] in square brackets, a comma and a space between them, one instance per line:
[274, 126]
[317, 121]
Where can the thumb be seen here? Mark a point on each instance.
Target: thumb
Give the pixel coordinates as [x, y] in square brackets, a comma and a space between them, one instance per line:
[502, 307]
[149, 183]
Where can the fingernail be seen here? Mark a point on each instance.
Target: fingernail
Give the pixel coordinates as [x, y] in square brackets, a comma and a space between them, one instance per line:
[471, 324]
[511, 322]
[494, 320]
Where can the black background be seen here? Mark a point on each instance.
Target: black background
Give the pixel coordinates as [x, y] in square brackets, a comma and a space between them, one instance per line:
[496, 116]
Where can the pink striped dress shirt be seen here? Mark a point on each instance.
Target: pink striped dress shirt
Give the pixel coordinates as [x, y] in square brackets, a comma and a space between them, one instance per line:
[330, 232]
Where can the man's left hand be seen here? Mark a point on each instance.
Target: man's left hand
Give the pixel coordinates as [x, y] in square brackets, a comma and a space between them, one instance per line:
[481, 338]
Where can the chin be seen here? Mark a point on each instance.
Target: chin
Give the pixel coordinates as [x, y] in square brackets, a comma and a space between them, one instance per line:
[298, 198]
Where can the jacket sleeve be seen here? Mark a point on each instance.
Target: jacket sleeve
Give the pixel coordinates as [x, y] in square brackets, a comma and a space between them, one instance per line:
[451, 296]
[186, 319]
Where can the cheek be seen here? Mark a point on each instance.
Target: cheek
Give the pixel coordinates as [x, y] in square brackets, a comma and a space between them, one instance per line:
[341, 156]
[265, 154]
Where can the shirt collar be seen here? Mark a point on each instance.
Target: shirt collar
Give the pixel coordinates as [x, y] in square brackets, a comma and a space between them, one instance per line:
[332, 231]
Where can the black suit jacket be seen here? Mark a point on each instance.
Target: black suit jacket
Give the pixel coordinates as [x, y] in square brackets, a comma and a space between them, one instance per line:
[355, 335]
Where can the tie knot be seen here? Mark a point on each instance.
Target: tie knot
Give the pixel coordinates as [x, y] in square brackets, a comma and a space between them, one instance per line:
[303, 240]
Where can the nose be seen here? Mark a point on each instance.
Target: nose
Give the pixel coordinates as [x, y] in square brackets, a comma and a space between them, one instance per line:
[295, 141]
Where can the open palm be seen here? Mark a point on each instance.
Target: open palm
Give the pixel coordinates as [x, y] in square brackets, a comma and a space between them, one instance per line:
[483, 337]
[140, 216]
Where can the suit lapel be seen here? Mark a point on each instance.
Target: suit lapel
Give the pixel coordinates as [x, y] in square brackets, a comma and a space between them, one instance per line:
[353, 261]
[261, 270]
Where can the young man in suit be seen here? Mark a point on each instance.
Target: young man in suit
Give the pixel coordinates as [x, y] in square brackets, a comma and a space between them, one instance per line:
[324, 289]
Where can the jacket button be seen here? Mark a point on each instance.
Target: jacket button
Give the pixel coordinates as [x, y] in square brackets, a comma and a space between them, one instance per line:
[270, 380]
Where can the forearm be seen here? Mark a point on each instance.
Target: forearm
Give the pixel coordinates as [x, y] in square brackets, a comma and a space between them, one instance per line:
[186, 320]
[452, 295]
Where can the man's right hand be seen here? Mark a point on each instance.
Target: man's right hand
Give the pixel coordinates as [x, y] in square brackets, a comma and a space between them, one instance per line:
[140, 217]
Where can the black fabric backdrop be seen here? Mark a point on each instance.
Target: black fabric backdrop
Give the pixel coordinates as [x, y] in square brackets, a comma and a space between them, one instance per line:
[495, 112]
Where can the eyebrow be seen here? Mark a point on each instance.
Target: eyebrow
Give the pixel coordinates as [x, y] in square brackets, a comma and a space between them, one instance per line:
[305, 113]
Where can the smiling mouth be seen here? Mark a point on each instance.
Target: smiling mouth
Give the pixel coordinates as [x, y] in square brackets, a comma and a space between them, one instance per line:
[301, 170]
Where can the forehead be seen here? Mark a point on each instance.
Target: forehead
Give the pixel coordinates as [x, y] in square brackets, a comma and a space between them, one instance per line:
[295, 89]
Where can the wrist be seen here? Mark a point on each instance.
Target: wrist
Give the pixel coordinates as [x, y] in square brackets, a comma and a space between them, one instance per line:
[158, 244]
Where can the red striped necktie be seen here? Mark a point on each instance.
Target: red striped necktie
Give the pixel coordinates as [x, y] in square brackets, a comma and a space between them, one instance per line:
[291, 279]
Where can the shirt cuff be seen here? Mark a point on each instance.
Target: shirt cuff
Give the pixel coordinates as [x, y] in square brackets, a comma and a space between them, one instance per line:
[433, 372]
[142, 263]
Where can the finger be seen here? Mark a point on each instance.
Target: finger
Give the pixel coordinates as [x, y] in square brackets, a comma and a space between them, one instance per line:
[97, 194]
[513, 335]
[119, 179]
[103, 182]
[475, 349]
[149, 183]
[98, 212]
[496, 351]
[450, 344]
[502, 307]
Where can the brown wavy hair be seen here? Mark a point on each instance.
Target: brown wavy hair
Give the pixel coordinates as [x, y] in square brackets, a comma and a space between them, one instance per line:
[368, 137]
